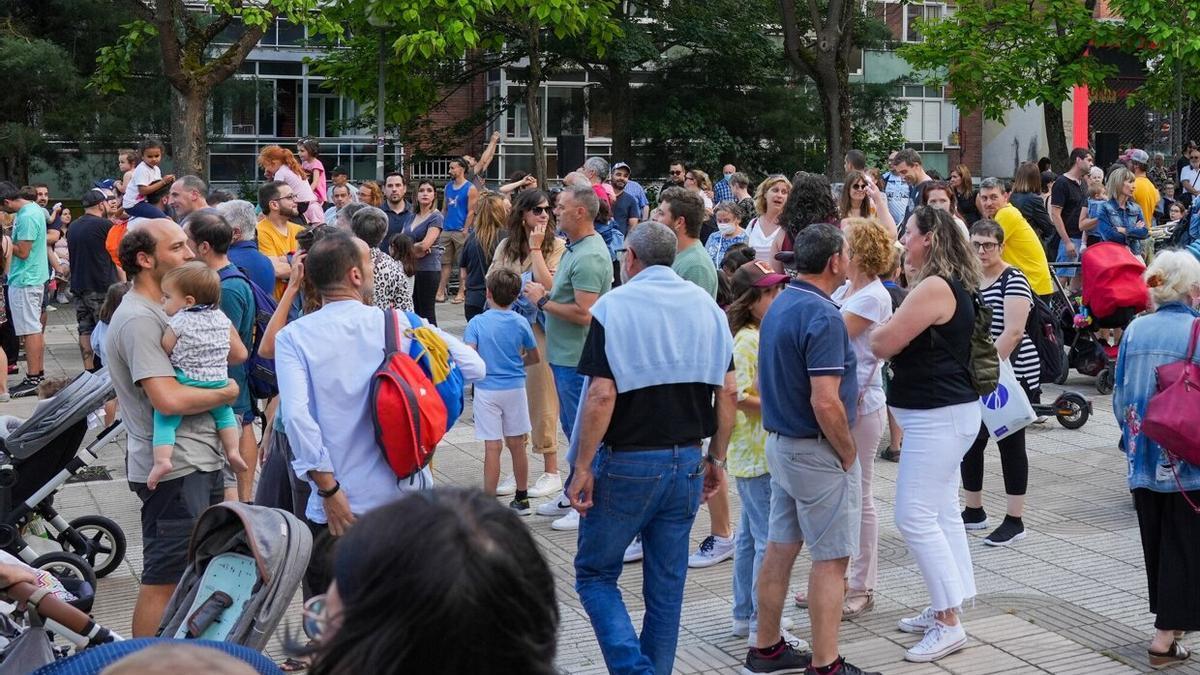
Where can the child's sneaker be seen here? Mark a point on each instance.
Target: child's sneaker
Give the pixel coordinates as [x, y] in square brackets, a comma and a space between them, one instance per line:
[507, 487]
[521, 506]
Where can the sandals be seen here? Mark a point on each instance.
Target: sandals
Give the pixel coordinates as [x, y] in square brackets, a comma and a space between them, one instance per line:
[457, 300]
[850, 607]
[1176, 654]
[890, 455]
[294, 665]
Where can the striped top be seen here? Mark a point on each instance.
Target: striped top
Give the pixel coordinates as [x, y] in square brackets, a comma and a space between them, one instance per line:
[1024, 360]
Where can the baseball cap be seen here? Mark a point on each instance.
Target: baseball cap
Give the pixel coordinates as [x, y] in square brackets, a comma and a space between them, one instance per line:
[105, 184]
[1139, 156]
[756, 274]
[93, 197]
[621, 165]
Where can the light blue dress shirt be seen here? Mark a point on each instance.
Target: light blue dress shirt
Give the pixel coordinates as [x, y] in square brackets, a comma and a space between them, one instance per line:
[325, 362]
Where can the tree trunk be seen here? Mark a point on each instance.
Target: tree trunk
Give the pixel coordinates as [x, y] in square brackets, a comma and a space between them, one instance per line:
[834, 90]
[533, 108]
[189, 132]
[620, 103]
[1056, 136]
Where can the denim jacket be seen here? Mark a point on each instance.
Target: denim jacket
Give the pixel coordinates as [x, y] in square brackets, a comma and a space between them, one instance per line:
[1150, 341]
[1113, 216]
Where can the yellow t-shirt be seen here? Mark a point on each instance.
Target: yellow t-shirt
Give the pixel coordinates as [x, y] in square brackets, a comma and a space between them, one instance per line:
[1023, 249]
[1146, 196]
[273, 244]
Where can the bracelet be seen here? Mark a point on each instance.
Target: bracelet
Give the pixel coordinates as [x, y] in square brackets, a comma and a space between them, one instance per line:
[326, 494]
[541, 304]
[719, 463]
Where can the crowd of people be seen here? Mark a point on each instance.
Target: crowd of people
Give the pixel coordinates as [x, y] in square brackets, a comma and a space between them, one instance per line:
[823, 323]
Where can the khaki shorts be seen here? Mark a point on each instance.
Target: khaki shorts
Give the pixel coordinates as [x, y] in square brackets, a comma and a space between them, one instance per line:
[452, 244]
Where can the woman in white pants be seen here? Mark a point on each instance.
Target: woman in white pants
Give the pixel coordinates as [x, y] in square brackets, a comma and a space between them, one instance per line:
[865, 305]
[928, 340]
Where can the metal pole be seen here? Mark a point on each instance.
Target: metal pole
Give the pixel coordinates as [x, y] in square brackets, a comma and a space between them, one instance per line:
[379, 110]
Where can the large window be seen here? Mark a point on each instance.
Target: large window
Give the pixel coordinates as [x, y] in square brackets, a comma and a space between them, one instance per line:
[932, 121]
[913, 12]
[564, 111]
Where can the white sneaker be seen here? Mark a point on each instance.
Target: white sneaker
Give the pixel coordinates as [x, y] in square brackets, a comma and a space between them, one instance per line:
[568, 522]
[940, 641]
[554, 508]
[633, 552]
[546, 485]
[918, 624]
[507, 487]
[5, 397]
[712, 550]
[741, 627]
[797, 643]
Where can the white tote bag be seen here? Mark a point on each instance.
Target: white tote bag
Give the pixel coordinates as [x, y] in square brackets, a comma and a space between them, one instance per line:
[1006, 410]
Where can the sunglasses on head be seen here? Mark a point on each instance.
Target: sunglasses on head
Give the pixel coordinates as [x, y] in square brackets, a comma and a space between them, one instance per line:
[540, 210]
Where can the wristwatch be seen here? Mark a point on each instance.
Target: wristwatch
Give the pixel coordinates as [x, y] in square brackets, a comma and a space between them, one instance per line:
[541, 304]
[719, 463]
[326, 494]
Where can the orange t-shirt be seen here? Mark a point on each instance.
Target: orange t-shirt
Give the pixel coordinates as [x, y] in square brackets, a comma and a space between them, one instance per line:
[112, 243]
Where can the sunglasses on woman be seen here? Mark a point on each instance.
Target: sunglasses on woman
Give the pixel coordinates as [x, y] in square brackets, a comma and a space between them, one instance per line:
[539, 210]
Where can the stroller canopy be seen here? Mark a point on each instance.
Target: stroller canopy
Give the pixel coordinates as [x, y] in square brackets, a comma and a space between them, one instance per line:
[1112, 280]
[74, 403]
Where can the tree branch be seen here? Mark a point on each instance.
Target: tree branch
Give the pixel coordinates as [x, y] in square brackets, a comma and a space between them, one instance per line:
[224, 66]
[169, 45]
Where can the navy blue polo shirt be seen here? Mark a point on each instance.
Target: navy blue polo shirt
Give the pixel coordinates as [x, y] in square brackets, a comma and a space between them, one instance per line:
[802, 336]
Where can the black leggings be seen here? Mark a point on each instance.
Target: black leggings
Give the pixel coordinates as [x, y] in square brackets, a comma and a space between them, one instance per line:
[1013, 460]
[8, 335]
[425, 285]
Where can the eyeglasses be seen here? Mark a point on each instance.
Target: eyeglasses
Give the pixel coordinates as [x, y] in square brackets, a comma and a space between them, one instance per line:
[985, 245]
[540, 210]
[286, 198]
[859, 186]
[313, 616]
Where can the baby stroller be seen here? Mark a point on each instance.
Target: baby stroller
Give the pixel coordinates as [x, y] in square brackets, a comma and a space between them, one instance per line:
[53, 607]
[244, 565]
[1113, 293]
[36, 459]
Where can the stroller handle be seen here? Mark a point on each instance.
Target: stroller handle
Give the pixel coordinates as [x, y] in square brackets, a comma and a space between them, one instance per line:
[1065, 265]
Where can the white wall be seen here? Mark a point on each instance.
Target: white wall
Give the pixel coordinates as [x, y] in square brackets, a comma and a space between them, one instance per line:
[1020, 137]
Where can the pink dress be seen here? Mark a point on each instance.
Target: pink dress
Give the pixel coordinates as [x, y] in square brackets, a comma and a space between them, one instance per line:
[314, 167]
[304, 193]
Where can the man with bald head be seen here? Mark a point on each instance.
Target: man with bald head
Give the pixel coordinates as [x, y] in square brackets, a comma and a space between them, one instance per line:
[145, 381]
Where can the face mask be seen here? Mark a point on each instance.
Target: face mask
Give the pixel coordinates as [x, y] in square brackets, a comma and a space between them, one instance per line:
[726, 228]
[728, 176]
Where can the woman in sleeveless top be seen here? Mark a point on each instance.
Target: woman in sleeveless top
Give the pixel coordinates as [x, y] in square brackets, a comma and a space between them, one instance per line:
[424, 229]
[762, 232]
[531, 247]
[1006, 291]
[928, 340]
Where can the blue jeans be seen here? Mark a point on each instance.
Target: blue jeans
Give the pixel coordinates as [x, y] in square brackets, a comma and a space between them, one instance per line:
[750, 545]
[1063, 257]
[655, 493]
[569, 385]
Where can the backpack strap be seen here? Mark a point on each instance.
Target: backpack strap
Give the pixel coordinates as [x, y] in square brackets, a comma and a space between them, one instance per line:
[414, 321]
[391, 328]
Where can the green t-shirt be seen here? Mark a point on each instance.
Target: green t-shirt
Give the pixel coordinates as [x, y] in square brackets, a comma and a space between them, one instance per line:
[694, 264]
[237, 302]
[34, 270]
[586, 266]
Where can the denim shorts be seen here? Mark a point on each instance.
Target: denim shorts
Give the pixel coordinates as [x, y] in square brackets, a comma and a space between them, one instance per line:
[813, 500]
[25, 307]
[1063, 257]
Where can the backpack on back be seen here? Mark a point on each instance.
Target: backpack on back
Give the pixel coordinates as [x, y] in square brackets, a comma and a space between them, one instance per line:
[982, 362]
[416, 396]
[260, 371]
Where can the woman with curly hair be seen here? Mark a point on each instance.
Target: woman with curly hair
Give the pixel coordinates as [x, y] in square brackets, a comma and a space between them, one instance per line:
[810, 202]
[371, 194]
[866, 304]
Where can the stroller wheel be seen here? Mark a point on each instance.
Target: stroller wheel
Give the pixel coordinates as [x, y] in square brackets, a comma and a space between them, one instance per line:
[1104, 381]
[1072, 410]
[66, 566]
[96, 539]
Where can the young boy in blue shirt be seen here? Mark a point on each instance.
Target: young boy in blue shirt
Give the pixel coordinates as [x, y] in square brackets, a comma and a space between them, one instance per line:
[505, 341]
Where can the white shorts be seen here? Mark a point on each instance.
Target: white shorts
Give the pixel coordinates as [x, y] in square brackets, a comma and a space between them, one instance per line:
[25, 306]
[500, 414]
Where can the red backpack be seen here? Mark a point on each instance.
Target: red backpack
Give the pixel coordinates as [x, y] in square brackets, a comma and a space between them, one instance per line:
[408, 412]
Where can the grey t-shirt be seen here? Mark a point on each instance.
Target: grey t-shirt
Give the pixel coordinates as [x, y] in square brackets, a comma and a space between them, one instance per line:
[133, 346]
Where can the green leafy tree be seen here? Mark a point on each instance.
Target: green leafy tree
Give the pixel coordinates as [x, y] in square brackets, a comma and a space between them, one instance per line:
[195, 57]
[32, 115]
[998, 53]
[818, 38]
